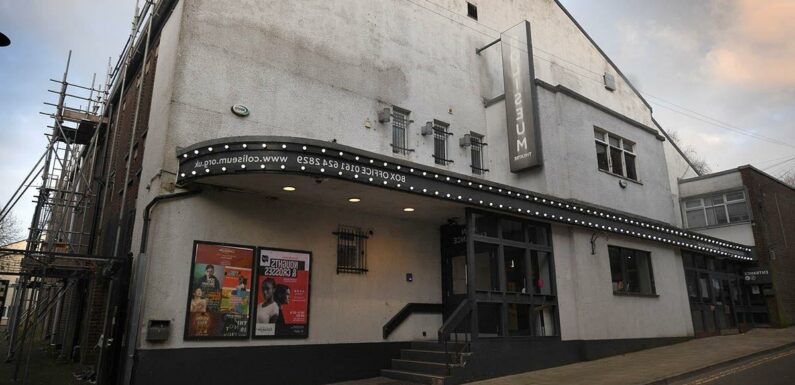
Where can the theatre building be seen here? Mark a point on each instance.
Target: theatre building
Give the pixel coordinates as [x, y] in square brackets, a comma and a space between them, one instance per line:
[434, 191]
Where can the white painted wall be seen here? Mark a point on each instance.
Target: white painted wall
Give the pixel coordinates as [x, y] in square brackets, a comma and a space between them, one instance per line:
[320, 70]
[570, 167]
[714, 183]
[742, 233]
[588, 308]
[678, 168]
[344, 308]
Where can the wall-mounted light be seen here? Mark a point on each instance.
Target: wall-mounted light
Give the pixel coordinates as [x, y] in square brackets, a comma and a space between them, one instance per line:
[240, 110]
[427, 129]
[384, 115]
[354, 200]
[465, 141]
[288, 188]
[408, 209]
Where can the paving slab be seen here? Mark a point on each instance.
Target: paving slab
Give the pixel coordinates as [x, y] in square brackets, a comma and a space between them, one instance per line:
[647, 367]
[658, 365]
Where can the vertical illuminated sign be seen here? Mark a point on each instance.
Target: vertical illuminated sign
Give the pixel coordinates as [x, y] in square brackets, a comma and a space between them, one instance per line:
[524, 144]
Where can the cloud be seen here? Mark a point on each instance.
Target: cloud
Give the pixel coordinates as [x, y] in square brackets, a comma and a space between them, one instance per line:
[758, 47]
[712, 140]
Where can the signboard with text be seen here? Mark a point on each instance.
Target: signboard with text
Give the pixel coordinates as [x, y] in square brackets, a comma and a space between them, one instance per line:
[282, 305]
[757, 276]
[524, 145]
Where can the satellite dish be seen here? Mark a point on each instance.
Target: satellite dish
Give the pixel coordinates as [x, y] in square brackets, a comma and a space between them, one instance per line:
[4, 40]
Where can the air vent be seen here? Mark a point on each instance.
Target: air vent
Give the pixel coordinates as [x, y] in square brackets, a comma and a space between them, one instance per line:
[610, 82]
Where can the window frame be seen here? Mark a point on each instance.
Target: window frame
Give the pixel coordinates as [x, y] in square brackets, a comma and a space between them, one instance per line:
[401, 120]
[476, 144]
[624, 261]
[441, 152]
[351, 238]
[703, 206]
[625, 147]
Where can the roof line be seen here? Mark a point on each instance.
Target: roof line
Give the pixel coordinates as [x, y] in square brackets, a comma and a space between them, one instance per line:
[679, 150]
[615, 67]
[737, 169]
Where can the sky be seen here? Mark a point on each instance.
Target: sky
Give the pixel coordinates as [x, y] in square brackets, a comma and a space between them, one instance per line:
[42, 32]
[719, 73]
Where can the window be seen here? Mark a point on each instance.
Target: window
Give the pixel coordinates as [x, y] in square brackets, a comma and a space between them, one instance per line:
[615, 155]
[476, 149]
[351, 250]
[715, 210]
[440, 135]
[400, 127]
[472, 11]
[631, 271]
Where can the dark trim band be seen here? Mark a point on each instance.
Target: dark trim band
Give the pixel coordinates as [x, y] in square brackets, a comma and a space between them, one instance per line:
[267, 154]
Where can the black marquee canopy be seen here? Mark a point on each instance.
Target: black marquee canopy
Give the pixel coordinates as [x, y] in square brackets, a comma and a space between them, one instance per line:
[299, 156]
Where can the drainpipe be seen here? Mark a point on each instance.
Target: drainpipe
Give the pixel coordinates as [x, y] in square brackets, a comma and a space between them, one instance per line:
[133, 327]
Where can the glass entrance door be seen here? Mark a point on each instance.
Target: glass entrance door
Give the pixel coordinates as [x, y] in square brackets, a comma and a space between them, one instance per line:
[513, 276]
[454, 267]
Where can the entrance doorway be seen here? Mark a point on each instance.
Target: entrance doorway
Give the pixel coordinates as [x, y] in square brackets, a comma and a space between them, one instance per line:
[718, 303]
[503, 265]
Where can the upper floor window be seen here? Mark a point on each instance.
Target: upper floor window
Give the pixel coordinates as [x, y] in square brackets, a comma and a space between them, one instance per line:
[476, 151]
[631, 271]
[440, 134]
[400, 128]
[718, 209]
[615, 154]
[472, 11]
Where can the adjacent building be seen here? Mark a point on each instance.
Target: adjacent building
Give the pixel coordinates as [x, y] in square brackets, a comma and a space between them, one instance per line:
[751, 207]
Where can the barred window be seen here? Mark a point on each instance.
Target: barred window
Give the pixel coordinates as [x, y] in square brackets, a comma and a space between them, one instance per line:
[440, 134]
[351, 250]
[476, 150]
[400, 127]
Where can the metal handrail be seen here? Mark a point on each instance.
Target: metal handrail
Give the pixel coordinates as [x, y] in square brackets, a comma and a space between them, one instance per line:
[412, 307]
[460, 314]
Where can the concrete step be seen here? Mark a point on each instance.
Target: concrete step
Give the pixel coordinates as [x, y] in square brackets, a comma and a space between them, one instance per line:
[419, 378]
[435, 345]
[427, 356]
[434, 368]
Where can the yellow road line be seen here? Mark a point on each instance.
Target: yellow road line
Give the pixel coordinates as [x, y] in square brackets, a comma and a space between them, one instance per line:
[740, 368]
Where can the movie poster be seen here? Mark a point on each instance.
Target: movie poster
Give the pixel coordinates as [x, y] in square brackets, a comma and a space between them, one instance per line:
[219, 303]
[282, 305]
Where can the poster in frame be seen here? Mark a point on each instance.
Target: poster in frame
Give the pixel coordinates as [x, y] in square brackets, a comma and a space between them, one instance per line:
[220, 286]
[281, 307]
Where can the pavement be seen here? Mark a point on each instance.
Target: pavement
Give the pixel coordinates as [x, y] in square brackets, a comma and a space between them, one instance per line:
[37, 366]
[663, 365]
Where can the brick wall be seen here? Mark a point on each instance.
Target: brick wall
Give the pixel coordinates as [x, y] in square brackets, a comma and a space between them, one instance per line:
[773, 209]
[123, 131]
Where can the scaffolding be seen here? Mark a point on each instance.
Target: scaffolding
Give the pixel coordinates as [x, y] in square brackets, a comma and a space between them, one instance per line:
[71, 179]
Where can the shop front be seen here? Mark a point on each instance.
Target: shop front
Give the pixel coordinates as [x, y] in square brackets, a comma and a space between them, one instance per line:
[721, 299]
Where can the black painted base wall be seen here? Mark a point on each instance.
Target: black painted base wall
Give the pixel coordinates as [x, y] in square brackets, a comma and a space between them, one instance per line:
[323, 364]
[495, 357]
[271, 365]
